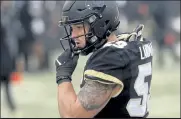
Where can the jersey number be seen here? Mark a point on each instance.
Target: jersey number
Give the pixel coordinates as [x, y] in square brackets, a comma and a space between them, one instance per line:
[138, 107]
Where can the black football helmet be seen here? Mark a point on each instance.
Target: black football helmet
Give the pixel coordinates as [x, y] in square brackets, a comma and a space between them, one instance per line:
[102, 17]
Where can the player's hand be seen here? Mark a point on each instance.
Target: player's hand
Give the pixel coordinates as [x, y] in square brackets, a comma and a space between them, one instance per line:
[65, 66]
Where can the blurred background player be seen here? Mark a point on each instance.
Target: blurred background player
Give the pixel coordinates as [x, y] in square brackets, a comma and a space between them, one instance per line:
[7, 68]
[164, 33]
[11, 67]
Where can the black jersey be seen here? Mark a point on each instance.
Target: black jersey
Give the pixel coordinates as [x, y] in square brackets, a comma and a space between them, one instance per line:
[128, 64]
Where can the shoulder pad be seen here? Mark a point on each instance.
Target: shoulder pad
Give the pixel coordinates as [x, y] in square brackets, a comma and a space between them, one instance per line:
[105, 65]
[116, 44]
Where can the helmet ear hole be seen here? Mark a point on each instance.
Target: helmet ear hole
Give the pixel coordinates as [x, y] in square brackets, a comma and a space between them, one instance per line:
[116, 26]
[108, 33]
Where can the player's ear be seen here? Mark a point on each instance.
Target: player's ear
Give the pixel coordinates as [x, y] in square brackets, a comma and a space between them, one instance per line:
[87, 27]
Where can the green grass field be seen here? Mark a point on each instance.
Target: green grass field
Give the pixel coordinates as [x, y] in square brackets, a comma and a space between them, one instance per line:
[36, 96]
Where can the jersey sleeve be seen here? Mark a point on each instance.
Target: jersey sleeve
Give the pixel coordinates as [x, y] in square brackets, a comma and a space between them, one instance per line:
[106, 66]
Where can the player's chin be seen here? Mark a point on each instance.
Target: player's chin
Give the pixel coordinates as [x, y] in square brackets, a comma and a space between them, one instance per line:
[79, 46]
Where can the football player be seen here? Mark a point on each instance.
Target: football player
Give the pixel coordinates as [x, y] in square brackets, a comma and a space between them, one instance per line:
[117, 76]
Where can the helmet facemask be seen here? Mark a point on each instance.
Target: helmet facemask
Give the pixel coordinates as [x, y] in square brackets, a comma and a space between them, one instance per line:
[100, 28]
[90, 37]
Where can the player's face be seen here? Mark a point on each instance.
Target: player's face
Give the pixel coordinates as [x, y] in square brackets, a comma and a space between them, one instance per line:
[78, 30]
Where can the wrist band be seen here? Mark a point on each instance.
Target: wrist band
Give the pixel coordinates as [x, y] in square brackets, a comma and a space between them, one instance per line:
[63, 79]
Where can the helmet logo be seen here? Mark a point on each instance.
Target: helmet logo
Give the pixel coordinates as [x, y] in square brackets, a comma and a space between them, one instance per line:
[63, 20]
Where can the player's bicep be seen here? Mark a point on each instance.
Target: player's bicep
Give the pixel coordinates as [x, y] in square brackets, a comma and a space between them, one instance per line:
[94, 95]
[104, 78]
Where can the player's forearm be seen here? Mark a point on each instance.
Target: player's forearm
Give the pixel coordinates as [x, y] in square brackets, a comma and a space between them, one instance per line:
[69, 104]
[66, 99]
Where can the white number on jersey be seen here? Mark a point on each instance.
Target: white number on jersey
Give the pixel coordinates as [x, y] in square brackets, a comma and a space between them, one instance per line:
[134, 107]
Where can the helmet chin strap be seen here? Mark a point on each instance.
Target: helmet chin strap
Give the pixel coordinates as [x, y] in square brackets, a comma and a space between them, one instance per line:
[93, 43]
[90, 47]
[84, 51]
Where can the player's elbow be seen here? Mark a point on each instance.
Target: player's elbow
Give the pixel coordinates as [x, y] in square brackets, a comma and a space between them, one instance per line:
[68, 112]
[76, 112]
[70, 115]
[64, 112]
[76, 116]
[67, 116]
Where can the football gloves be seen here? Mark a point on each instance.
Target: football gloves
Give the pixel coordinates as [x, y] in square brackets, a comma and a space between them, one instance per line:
[65, 66]
[136, 34]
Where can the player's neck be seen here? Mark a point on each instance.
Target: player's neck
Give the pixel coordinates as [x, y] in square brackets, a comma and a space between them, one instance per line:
[111, 38]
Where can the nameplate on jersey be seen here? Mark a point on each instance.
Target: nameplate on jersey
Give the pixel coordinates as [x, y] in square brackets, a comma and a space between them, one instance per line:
[146, 51]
